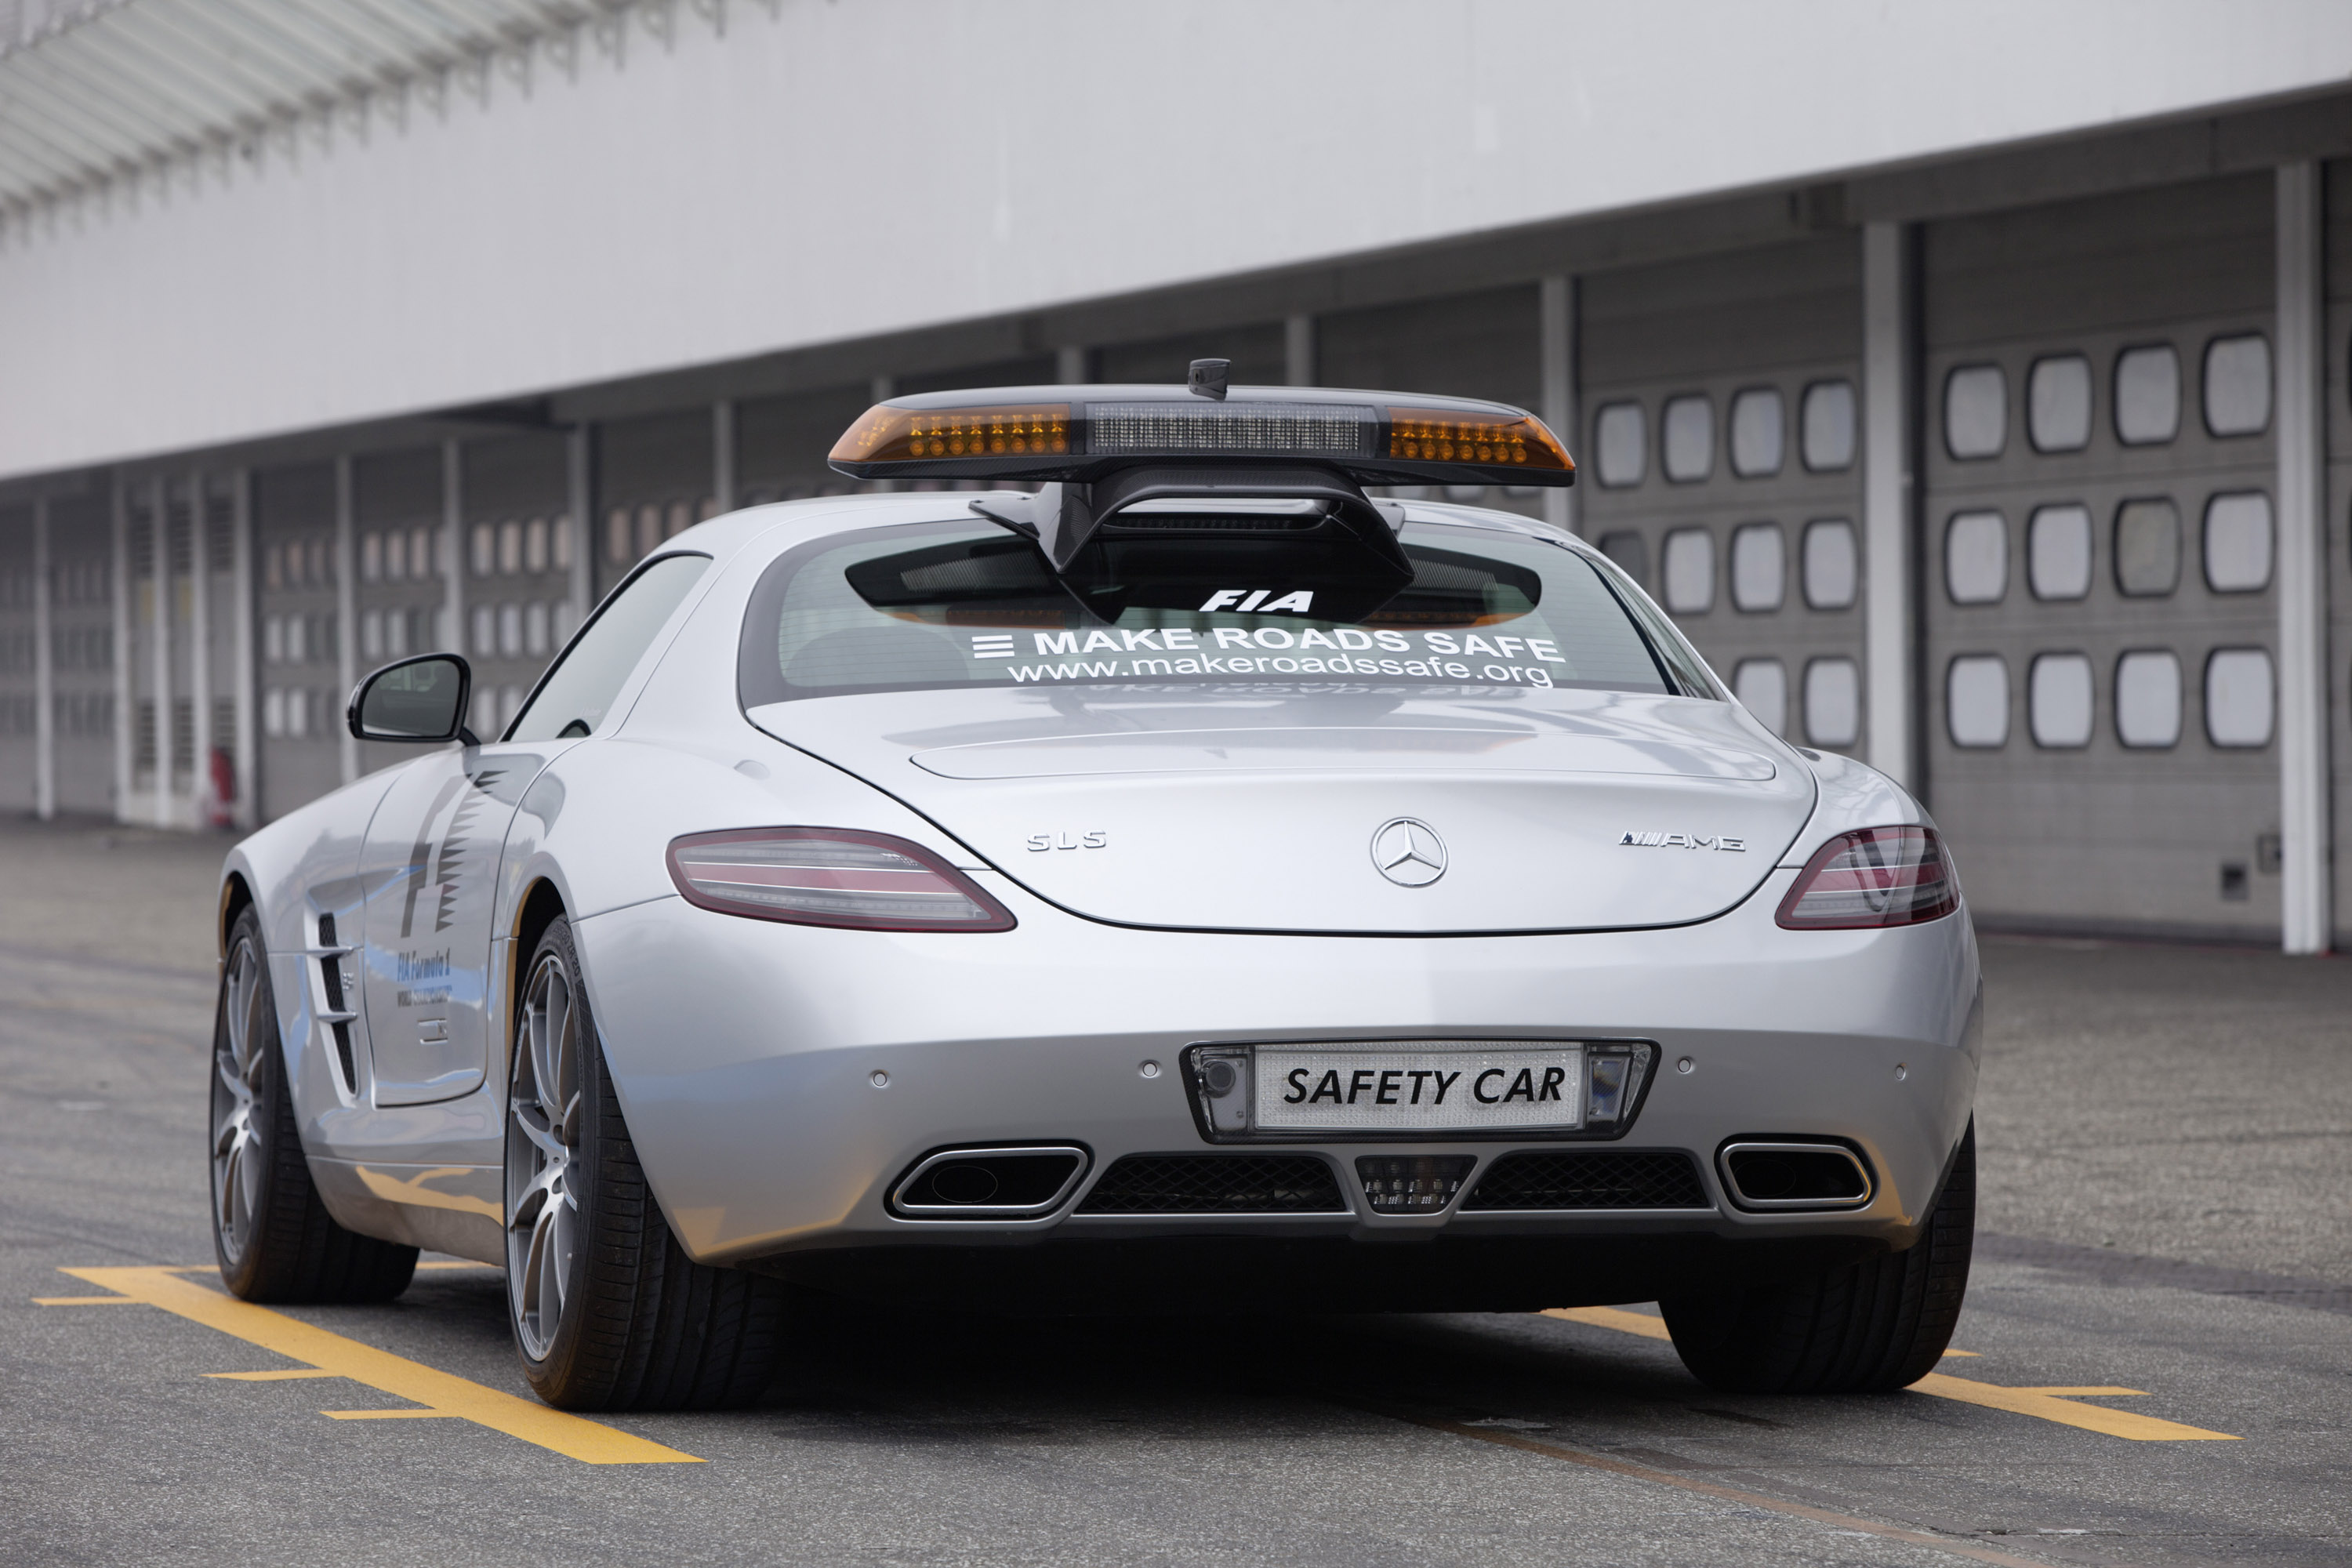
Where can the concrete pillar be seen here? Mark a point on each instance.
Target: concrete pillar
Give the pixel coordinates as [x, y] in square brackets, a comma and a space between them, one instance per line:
[159, 632]
[580, 483]
[2305, 883]
[118, 549]
[722, 454]
[453, 547]
[1556, 330]
[200, 645]
[44, 672]
[1298, 350]
[1890, 422]
[247, 811]
[347, 614]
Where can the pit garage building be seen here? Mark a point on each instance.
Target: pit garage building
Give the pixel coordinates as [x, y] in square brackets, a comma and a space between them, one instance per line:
[1969, 382]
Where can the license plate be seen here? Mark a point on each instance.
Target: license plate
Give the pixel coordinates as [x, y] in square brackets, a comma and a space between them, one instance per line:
[1458, 1084]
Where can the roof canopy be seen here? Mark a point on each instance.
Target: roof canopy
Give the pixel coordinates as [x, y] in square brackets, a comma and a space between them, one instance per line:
[99, 93]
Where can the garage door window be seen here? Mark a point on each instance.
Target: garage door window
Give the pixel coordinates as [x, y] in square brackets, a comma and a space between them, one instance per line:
[1976, 412]
[1688, 438]
[1828, 426]
[2237, 386]
[1975, 558]
[1758, 433]
[1833, 565]
[2148, 395]
[2058, 404]
[1762, 687]
[1759, 567]
[2148, 548]
[1832, 702]
[2058, 551]
[2147, 698]
[2237, 542]
[1620, 445]
[1976, 701]
[2059, 700]
[2238, 697]
[1690, 571]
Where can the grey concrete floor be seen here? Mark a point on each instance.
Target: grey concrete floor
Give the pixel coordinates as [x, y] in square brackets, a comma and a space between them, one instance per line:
[2166, 1185]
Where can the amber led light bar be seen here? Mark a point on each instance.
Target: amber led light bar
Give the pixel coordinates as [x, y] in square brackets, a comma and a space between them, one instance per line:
[1076, 434]
[1436, 433]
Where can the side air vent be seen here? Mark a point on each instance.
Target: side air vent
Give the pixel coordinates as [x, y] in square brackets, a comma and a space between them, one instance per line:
[1216, 1184]
[330, 970]
[1588, 1179]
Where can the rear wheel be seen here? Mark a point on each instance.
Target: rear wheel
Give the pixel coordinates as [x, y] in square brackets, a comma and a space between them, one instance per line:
[274, 1237]
[609, 1312]
[1873, 1326]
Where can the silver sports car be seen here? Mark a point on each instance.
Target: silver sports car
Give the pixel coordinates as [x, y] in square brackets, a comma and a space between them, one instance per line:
[1191, 878]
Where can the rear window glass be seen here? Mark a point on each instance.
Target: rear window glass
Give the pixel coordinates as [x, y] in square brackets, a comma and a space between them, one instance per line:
[955, 603]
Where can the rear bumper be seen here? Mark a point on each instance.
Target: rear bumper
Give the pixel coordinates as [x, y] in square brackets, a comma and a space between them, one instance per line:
[779, 1080]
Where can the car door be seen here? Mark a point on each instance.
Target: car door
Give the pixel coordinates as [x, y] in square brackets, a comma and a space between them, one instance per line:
[430, 860]
[430, 864]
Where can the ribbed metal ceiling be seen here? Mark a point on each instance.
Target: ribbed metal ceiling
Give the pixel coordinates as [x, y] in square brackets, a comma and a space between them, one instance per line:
[96, 95]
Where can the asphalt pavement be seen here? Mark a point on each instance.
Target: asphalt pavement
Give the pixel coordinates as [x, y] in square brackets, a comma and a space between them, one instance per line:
[2167, 1159]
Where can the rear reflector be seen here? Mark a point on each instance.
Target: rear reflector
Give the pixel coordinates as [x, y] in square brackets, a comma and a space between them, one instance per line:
[830, 877]
[1872, 876]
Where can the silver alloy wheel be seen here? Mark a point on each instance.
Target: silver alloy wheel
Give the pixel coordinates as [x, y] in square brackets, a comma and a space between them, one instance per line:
[542, 1143]
[240, 1151]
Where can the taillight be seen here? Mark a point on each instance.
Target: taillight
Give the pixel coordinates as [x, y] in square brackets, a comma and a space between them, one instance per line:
[1872, 876]
[830, 877]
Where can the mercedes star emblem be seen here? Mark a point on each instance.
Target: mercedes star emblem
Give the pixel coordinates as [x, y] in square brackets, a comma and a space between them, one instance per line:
[1409, 852]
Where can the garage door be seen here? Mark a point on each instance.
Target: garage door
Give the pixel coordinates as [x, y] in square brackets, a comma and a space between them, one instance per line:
[1721, 467]
[2099, 609]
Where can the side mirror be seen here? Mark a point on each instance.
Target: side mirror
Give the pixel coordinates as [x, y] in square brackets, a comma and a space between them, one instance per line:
[421, 698]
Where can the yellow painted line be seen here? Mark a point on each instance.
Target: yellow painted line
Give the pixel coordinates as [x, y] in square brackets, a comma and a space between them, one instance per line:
[84, 1301]
[280, 1375]
[2047, 1404]
[388, 1414]
[2052, 1404]
[439, 1392]
[1616, 1317]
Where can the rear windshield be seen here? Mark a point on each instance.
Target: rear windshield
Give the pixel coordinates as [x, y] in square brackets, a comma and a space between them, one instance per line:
[957, 603]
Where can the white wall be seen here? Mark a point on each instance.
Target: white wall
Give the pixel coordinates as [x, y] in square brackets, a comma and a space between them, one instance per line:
[845, 167]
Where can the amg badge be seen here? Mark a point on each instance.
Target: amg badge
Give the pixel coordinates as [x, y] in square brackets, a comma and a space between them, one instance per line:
[1683, 841]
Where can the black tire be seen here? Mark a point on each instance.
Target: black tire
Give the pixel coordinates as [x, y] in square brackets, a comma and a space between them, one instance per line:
[635, 1324]
[1868, 1327]
[271, 1232]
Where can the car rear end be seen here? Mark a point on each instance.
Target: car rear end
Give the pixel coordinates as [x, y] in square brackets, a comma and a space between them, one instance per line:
[1369, 905]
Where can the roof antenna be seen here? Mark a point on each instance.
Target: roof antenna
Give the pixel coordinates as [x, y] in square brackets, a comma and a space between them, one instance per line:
[1207, 378]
